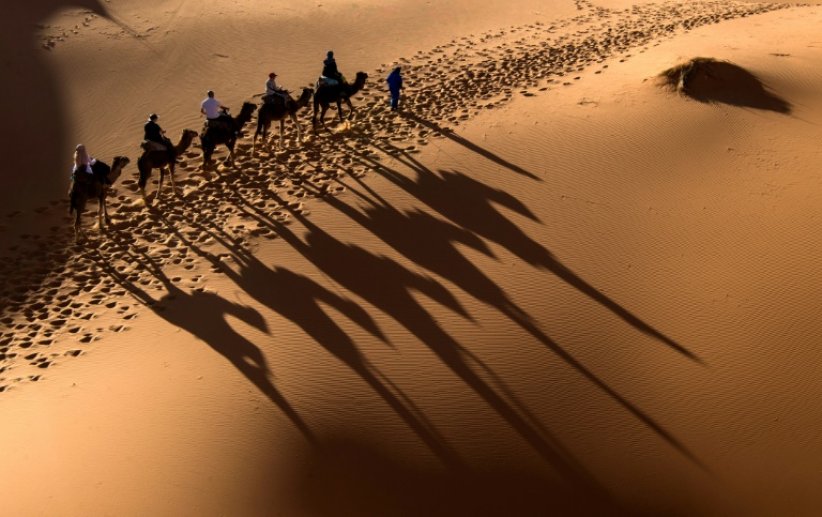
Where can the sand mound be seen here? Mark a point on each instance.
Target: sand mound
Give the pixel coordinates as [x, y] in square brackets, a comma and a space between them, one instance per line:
[711, 80]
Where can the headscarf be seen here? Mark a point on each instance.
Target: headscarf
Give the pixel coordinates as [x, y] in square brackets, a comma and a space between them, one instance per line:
[81, 157]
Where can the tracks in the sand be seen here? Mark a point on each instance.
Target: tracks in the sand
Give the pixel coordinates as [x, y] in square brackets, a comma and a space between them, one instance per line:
[57, 297]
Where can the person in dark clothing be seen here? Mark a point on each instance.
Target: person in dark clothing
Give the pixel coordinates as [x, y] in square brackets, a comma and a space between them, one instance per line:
[154, 133]
[330, 68]
[394, 81]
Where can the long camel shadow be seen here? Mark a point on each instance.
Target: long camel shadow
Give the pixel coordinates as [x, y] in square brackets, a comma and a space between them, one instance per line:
[299, 299]
[432, 244]
[471, 146]
[471, 204]
[387, 285]
[203, 314]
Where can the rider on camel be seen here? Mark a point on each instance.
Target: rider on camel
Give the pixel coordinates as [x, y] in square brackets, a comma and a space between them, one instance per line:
[155, 136]
[330, 71]
[82, 160]
[213, 110]
[82, 163]
[273, 91]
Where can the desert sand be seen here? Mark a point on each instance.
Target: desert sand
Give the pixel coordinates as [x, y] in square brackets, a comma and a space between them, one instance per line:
[575, 274]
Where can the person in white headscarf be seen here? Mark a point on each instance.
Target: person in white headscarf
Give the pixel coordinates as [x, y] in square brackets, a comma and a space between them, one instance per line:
[82, 160]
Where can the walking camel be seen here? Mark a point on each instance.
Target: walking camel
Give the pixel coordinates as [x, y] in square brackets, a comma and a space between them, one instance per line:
[161, 159]
[278, 110]
[225, 131]
[338, 93]
[86, 186]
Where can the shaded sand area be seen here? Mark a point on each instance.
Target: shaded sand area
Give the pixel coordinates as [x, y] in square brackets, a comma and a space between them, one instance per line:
[550, 285]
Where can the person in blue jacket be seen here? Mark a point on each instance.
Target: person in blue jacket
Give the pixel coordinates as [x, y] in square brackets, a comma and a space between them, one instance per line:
[394, 81]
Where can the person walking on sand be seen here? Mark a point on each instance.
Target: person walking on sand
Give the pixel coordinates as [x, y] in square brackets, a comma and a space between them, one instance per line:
[394, 81]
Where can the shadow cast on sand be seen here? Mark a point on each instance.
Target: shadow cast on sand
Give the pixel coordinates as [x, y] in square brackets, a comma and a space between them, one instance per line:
[471, 146]
[713, 81]
[388, 286]
[203, 315]
[368, 479]
[301, 300]
[470, 204]
[30, 94]
[433, 244]
[463, 213]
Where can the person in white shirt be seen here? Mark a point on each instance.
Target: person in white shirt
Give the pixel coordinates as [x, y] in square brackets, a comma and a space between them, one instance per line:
[211, 107]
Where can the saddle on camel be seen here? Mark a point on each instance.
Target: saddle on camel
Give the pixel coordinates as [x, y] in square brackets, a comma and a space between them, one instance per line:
[225, 122]
[330, 75]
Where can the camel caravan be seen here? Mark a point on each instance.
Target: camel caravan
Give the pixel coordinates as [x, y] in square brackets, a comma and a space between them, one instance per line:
[92, 178]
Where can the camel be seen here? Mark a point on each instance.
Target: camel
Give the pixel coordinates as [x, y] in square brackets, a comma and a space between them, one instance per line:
[325, 95]
[227, 133]
[86, 186]
[154, 159]
[271, 111]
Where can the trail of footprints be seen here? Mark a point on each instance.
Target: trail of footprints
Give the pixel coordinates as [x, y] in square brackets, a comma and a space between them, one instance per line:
[58, 298]
[59, 31]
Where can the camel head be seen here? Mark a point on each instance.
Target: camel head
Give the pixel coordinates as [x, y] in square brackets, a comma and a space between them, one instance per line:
[188, 135]
[245, 114]
[360, 79]
[247, 110]
[117, 167]
[305, 97]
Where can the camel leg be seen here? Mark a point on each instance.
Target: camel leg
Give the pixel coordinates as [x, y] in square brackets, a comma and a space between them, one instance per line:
[261, 131]
[230, 158]
[78, 232]
[100, 212]
[282, 129]
[141, 183]
[160, 185]
[297, 123]
[350, 108]
[171, 179]
[339, 109]
[105, 208]
[205, 144]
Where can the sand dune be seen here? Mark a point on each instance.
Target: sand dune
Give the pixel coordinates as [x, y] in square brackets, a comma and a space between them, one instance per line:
[546, 285]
